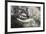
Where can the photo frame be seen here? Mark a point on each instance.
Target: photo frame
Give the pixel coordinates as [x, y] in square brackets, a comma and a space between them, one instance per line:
[12, 9]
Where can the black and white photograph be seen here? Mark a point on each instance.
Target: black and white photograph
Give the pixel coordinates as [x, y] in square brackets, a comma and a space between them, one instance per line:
[24, 17]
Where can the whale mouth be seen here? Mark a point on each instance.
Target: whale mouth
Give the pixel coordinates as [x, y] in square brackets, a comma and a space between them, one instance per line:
[23, 17]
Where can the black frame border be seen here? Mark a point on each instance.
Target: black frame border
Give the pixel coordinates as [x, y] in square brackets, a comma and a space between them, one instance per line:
[25, 2]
